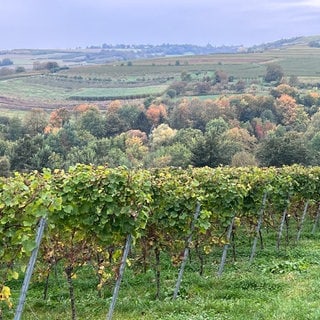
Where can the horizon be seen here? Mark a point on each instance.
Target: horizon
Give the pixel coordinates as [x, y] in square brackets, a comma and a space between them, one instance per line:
[69, 24]
[100, 46]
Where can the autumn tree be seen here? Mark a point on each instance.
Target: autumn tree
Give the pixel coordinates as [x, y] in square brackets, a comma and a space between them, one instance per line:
[156, 114]
[283, 88]
[136, 150]
[290, 113]
[58, 118]
[241, 137]
[161, 135]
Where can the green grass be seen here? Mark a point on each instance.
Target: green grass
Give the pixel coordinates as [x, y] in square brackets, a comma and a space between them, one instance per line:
[13, 113]
[278, 285]
[119, 92]
[24, 88]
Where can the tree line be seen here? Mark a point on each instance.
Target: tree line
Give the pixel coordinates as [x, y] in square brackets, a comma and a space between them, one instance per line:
[275, 129]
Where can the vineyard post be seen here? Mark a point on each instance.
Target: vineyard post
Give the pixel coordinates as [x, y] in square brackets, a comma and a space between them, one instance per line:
[284, 216]
[119, 279]
[186, 251]
[305, 210]
[29, 270]
[225, 248]
[316, 220]
[258, 227]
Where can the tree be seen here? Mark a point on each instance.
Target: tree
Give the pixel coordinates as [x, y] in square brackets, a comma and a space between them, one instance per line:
[4, 167]
[35, 121]
[242, 137]
[136, 151]
[156, 114]
[202, 87]
[180, 155]
[84, 155]
[161, 135]
[171, 93]
[280, 149]
[221, 77]
[243, 159]
[283, 88]
[188, 137]
[314, 146]
[58, 118]
[290, 113]
[6, 62]
[240, 86]
[93, 122]
[142, 123]
[15, 129]
[211, 150]
[20, 69]
[274, 72]
[23, 153]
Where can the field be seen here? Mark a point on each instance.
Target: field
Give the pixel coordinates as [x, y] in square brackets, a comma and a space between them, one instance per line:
[278, 285]
[139, 78]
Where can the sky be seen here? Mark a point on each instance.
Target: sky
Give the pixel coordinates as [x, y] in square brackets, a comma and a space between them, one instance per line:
[82, 23]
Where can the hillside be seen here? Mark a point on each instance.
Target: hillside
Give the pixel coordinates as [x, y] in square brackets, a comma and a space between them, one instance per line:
[75, 79]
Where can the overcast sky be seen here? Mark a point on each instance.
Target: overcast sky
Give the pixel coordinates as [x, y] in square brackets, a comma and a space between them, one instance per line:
[81, 23]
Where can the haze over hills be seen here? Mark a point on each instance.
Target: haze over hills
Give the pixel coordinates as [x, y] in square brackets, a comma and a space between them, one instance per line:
[104, 53]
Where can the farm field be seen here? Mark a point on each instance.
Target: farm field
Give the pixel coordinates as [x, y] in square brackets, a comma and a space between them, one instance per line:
[145, 77]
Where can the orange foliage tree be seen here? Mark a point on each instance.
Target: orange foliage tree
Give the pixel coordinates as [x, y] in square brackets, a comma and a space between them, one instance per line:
[156, 113]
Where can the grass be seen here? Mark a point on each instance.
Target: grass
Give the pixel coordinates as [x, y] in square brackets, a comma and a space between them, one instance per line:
[278, 285]
[119, 92]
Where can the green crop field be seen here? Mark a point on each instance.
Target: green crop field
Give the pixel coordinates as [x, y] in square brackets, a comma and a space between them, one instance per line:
[119, 92]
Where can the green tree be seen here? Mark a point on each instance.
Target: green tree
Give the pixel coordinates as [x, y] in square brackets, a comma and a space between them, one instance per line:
[274, 72]
[286, 148]
[93, 122]
[35, 121]
[211, 150]
[4, 167]
[22, 158]
[15, 129]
